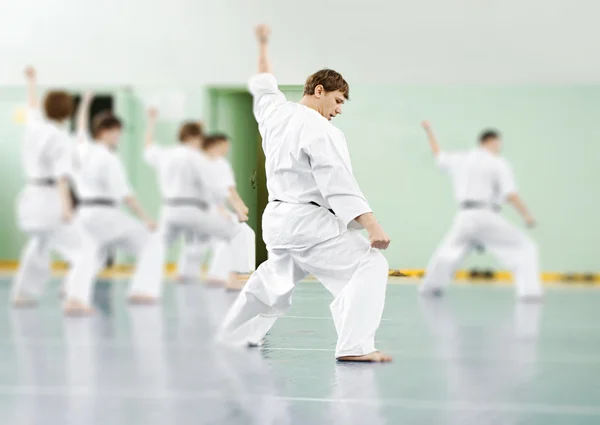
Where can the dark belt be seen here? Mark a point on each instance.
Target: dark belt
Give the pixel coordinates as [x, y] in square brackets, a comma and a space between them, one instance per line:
[186, 202]
[97, 202]
[49, 181]
[476, 205]
[312, 203]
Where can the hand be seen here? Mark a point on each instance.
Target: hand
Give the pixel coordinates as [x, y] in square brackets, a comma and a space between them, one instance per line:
[426, 125]
[242, 217]
[377, 236]
[262, 33]
[150, 224]
[30, 73]
[530, 222]
[152, 113]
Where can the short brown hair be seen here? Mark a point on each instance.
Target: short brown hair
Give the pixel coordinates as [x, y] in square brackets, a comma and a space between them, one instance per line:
[190, 129]
[58, 105]
[330, 80]
[105, 120]
[488, 135]
[214, 139]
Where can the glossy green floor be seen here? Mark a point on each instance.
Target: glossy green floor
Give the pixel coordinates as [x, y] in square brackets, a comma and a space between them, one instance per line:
[474, 357]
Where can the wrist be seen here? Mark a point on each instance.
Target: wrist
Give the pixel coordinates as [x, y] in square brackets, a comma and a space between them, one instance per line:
[367, 220]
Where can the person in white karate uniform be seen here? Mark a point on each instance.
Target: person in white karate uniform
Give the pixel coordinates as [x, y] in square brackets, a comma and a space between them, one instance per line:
[44, 207]
[483, 181]
[191, 196]
[192, 255]
[309, 225]
[240, 257]
[103, 186]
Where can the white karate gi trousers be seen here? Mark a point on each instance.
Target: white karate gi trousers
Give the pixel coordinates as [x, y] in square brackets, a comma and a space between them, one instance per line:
[239, 256]
[353, 272]
[513, 248]
[176, 221]
[191, 257]
[110, 227]
[39, 215]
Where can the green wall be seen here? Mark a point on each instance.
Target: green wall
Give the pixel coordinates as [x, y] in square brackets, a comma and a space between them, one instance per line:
[11, 240]
[549, 136]
[550, 140]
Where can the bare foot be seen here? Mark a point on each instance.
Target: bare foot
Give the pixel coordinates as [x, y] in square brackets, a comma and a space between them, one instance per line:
[24, 302]
[181, 279]
[235, 284]
[432, 293]
[374, 357]
[142, 299]
[215, 283]
[531, 298]
[77, 308]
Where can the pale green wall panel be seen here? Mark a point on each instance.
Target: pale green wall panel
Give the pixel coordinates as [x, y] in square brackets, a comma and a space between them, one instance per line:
[550, 140]
[11, 135]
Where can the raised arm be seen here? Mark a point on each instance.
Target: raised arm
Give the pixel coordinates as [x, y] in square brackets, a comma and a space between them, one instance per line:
[150, 127]
[433, 143]
[31, 77]
[263, 32]
[263, 86]
[83, 113]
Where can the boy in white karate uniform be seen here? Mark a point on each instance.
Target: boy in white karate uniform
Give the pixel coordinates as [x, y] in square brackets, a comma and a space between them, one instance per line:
[103, 186]
[190, 195]
[240, 256]
[314, 205]
[44, 207]
[483, 181]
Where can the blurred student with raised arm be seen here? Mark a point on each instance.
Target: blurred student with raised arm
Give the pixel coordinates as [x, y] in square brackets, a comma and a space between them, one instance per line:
[482, 182]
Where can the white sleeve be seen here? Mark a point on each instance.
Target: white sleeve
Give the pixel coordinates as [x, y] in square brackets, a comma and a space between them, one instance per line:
[117, 179]
[447, 161]
[207, 172]
[33, 115]
[332, 171]
[152, 154]
[62, 154]
[266, 94]
[506, 180]
[228, 175]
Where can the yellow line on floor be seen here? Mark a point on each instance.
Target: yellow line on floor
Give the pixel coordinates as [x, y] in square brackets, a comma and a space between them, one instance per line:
[124, 271]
